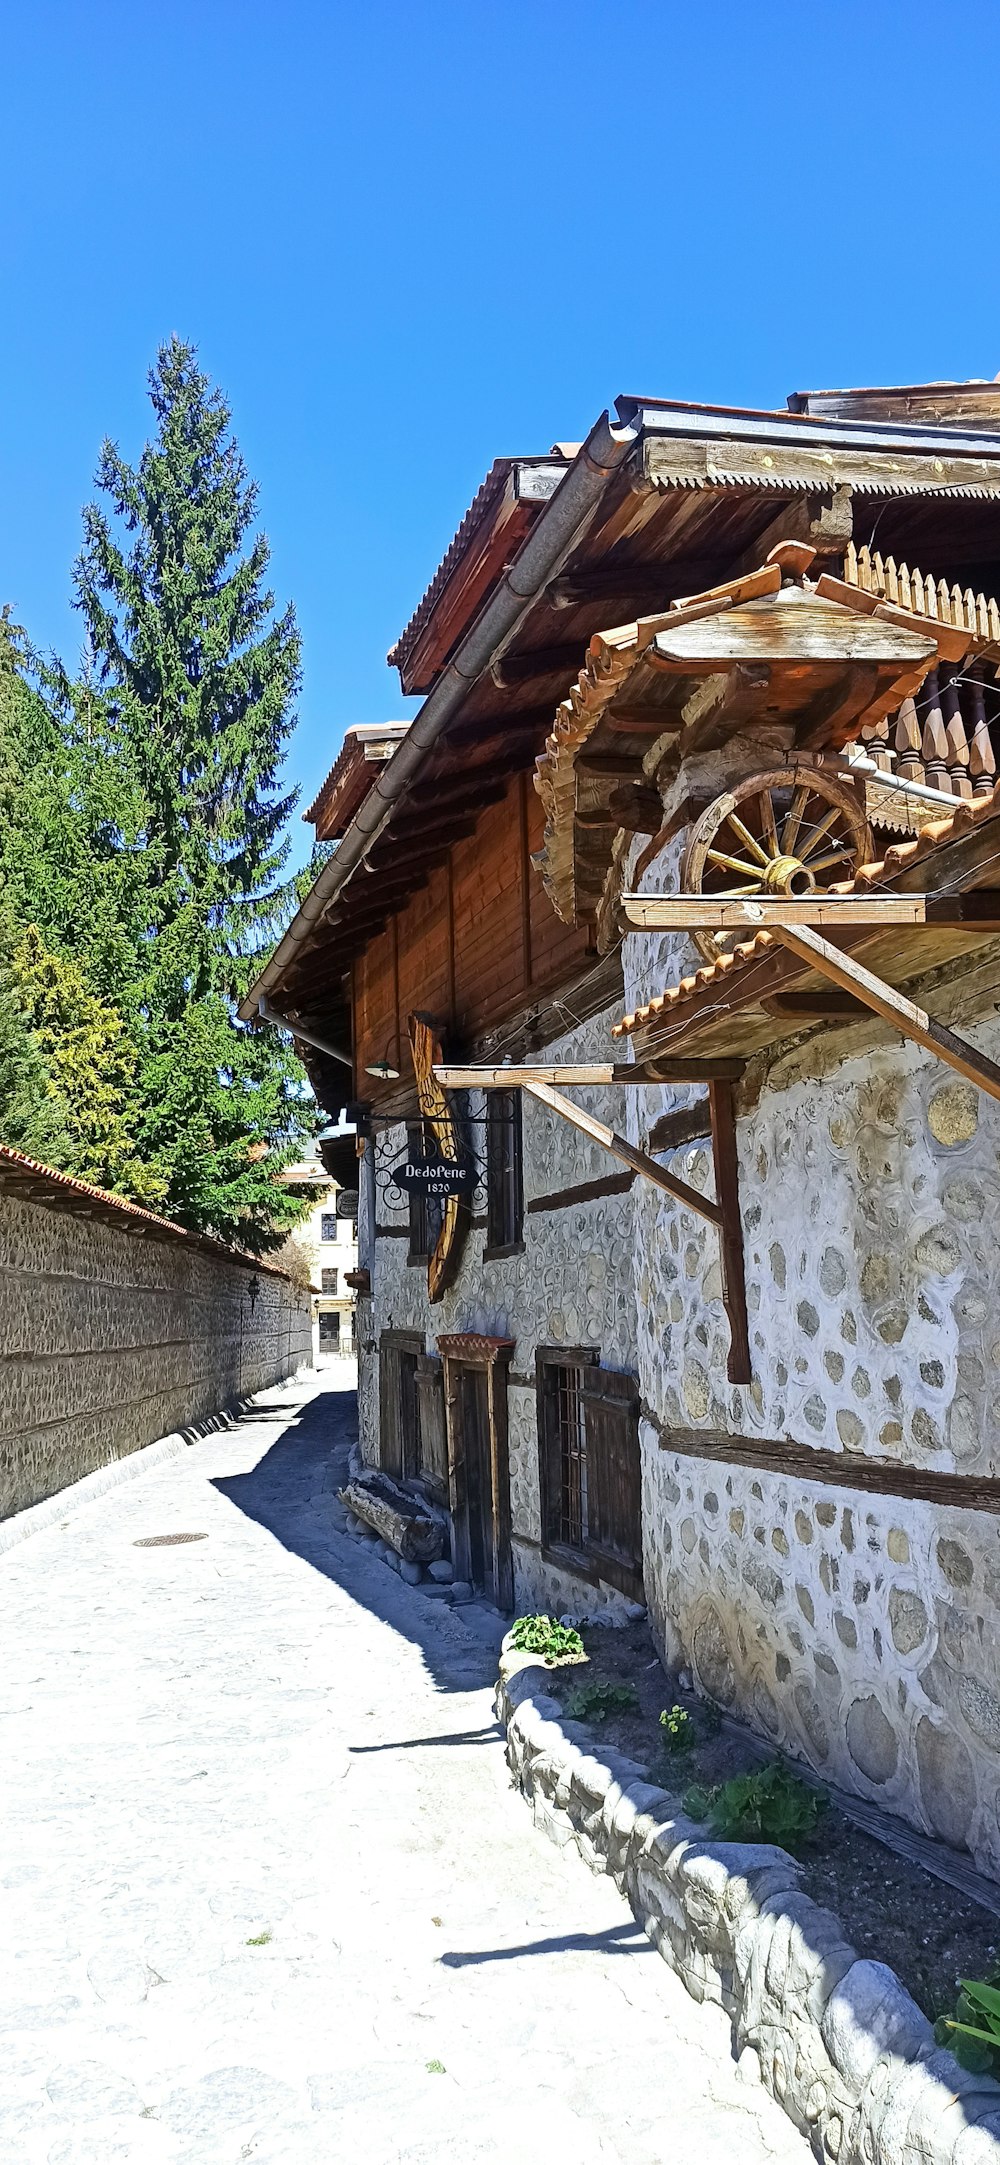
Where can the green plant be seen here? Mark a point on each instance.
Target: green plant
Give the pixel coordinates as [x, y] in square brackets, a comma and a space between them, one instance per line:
[260, 1939]
[973, 2031]
[594, 1702]
[769, 1806]
[678, 1729]
[435, 2067]
[542, 1635]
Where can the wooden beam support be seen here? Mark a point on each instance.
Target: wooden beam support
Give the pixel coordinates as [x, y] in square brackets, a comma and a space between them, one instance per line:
[767, 913]
[823, 517]
[638, 588]
[763, 913]
[595, 1074]
[727, 1188]
[514, 669]
[903, 1014]
[598, 1132]
[689, 1124]
[814, 1006]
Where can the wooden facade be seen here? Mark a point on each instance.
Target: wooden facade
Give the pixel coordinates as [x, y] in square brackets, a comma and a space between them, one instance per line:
[474, 946]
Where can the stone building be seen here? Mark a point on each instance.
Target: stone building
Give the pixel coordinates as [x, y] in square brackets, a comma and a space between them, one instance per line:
[676, 1252]
[327, 1238]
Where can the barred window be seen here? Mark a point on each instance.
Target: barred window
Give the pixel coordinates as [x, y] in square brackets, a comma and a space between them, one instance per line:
[588, 1443]
[328, 1280]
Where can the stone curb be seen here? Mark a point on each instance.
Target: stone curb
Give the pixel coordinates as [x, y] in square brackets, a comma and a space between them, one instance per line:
[837, 2041]
[51, 1509]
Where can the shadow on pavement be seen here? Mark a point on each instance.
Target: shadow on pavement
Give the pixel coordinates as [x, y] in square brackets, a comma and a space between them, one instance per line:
[617, 1939]
[291, 1491]
[409, 1744]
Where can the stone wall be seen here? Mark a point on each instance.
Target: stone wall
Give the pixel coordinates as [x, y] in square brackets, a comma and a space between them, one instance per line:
[859, 1630]
[833, 2037]
[112, 1336]
[572, 1285]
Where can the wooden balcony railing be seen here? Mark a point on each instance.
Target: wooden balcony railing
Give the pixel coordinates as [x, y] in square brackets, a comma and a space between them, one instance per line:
[947, 738]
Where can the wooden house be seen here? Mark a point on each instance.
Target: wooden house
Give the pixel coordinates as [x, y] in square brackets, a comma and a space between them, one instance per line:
[660, 961]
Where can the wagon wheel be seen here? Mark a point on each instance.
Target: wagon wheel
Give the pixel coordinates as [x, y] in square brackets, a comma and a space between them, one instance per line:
[792, 832]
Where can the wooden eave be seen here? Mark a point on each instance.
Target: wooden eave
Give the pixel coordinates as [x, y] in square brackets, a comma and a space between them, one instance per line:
[366, 747]
[655, 540]
[754, 654]
[499, 519]
[725, 1007]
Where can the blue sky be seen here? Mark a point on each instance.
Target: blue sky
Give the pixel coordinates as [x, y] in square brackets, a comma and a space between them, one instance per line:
[408, 239]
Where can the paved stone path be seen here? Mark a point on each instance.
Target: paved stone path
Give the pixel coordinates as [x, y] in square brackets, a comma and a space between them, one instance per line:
[266, 1891]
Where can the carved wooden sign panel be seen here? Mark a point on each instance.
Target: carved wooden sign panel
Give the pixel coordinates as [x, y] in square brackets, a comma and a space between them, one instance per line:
[436, 1112]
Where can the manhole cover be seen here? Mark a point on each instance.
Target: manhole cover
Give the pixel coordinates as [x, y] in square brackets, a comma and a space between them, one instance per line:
[165, 1541]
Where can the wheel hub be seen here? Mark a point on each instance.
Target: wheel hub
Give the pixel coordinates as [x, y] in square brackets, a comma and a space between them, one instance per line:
[788, 876]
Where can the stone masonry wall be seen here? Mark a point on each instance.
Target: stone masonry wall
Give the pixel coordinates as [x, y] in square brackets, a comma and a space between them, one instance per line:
[111, 1338]
[858, 1630]
[572, 1285]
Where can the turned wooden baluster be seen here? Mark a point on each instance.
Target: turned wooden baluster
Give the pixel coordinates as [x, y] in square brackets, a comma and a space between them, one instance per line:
[909, 765]
[982, 758]
[954, 731]
[875, 739]
[934, 743]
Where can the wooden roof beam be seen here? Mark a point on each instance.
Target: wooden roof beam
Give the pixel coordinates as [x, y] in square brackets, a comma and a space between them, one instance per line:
[823, 518]
[513, 670]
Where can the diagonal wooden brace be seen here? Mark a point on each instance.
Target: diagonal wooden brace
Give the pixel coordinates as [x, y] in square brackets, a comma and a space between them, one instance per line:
[911, 1021]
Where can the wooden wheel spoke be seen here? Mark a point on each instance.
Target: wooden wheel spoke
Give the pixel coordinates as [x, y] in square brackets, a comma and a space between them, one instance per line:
[735, 864]
[844, 857]
[745, 836]
[768, 828]
[795, 816]
[823, 827]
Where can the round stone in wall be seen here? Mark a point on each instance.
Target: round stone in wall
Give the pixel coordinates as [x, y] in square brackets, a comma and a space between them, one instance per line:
[811, 1716]
[871, 1741]
[907, 1618]
[953, 1114]
[947, 1782]
[711, 1658]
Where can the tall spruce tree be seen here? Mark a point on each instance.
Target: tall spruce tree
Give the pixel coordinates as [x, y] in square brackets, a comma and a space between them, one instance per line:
[194, 681]
[68, 1067]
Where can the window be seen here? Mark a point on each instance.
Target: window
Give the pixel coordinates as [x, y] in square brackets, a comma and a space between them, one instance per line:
[504, 1191]
[328, 1280]
[588, 1444]
[328, 1225]
[425, 1210]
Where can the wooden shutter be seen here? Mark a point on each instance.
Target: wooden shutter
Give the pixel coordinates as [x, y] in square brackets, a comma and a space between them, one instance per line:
[389, 1411]
[614, 1494]
[431, 1424]
[504, 1181]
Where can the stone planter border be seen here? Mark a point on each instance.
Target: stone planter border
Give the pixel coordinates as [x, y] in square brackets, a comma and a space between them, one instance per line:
[838, 2042]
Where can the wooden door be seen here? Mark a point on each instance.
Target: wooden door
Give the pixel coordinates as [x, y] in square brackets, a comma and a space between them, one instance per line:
[478, 1478]
[473, 1385]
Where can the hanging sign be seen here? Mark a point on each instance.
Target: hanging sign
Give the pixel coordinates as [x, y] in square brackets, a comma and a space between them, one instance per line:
[434, 1176]
[437, 1114]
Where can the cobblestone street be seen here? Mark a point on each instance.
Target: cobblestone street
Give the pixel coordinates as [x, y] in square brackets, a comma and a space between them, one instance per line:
[267, 1893]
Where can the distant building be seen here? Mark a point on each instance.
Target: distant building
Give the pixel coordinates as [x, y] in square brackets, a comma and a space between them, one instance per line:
[329, 1243]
